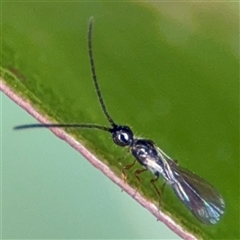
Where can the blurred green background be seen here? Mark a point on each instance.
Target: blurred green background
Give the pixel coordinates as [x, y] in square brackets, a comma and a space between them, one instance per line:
[169, 70]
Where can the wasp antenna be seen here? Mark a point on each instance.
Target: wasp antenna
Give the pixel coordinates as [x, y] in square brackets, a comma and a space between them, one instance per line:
[62, 125]
[94, 76]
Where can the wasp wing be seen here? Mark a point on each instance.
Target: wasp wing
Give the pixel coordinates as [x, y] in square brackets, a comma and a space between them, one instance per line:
[200, 197]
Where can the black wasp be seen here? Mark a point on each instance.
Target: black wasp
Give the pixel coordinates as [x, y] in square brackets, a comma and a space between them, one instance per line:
[202, 199]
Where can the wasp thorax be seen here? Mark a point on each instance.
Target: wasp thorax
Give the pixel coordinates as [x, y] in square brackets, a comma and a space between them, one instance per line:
[122, 136]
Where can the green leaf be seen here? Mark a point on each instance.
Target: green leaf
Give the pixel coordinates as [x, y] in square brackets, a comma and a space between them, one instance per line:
[169, 70]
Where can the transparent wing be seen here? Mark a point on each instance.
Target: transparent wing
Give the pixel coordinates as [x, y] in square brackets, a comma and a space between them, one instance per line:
[200, 197]
[203, 200]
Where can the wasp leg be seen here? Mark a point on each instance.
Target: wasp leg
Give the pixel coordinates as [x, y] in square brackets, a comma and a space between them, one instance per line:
[137, 173]
[162, 188]
[127, 167]
[159, 193]
[152, 181]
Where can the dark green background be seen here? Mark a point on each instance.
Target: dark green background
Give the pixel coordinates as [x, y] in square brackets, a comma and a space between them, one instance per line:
[169, 70]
